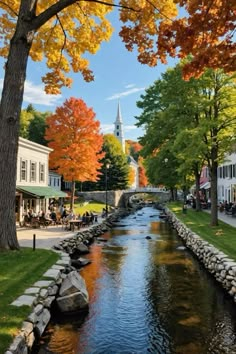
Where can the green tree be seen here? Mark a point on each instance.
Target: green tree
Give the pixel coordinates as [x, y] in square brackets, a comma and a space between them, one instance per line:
[198, 124]
[118, 174]
[37, 128]
[25, 119]
[60, 33]
[118, 171]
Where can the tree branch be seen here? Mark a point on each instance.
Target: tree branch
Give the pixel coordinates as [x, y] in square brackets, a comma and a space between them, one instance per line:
[53, 10]
[159, 11]
[3, 3]
[64, 44]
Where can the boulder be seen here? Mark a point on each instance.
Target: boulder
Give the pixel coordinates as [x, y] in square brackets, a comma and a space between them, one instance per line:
[72, 303]
[73, 294]
[83, 249]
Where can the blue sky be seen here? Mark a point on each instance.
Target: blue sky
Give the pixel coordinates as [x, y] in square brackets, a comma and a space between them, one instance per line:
[118, 76]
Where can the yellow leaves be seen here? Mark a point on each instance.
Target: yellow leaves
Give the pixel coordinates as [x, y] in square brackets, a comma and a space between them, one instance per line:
[54, 81]
[62, 40]
[150, 26]
[142, 29]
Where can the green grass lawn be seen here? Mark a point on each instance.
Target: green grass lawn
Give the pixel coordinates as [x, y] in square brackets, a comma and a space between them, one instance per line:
[18, 271]
[223, 236]
[80, 208]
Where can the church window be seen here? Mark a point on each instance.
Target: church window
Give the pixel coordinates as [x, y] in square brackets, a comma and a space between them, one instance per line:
[117, 134]
[117, 127]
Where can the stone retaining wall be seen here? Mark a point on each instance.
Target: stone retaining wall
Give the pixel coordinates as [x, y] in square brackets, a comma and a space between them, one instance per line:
[216, 262]
[42, 294]
[39, 297]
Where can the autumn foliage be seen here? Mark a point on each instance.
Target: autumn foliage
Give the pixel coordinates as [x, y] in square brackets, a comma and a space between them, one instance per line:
[65, 30]
[133, 148]
[143, 181]
[131, 176]
[73, 134]
[203, 29]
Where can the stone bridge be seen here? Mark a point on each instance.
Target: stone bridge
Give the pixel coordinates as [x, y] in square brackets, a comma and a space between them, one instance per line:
[120, 198]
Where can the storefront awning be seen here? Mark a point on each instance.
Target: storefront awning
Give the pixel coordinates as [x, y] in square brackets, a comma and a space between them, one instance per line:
[206, 185]
[41, 192]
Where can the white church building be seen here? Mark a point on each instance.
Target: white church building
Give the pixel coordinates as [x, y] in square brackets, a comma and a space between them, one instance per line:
[119, 134]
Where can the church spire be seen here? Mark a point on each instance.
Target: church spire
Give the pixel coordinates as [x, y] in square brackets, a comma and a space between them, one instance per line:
[118, 132]
[119, 117]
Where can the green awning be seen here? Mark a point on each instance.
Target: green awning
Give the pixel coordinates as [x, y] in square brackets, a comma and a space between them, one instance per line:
[41, 192]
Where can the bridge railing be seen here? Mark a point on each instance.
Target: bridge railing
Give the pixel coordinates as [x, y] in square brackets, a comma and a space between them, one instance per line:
[146, 189]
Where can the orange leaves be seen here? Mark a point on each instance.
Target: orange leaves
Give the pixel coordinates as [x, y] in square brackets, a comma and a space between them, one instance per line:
[143, 181]
[74, 135]
[141, 27]
[74, 28]
[131, 176]
[207, 33]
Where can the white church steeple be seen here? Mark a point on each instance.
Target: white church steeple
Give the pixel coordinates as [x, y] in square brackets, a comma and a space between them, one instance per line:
[118, 132]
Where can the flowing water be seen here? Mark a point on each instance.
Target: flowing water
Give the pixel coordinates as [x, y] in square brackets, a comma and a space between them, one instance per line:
[146, 296]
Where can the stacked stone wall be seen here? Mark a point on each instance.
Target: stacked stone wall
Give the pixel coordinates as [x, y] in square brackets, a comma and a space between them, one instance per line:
[216, 262]
[40, 298]
[42, 294]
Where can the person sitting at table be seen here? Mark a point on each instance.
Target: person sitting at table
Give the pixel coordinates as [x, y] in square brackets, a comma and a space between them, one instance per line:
[233, 208]
[91, 217]
[53, 216]
[65, 213]
[84, 219]
[30, 214]
[70, 216]
[41, 213]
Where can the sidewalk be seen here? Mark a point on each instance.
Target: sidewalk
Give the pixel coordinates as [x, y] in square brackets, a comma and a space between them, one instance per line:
[228, 219]
[46, 237]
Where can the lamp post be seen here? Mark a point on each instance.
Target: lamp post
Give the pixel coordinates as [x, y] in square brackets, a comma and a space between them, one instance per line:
[106, 178]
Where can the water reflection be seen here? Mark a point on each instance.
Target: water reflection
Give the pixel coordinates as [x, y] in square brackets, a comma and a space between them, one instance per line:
[147, 296]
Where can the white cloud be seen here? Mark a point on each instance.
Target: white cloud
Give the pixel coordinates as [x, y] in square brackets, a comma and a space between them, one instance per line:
[127, 128]
[35, 94]
[130, 131]
[107, 128]
[125, 93]
[129, 86]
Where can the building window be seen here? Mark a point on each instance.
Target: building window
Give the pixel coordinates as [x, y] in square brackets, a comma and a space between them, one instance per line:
[224, 171]
[33, 172]
[117, 127]
[234, 170]
[23, 170]
[41, 172]
[117, 134]
[220, 172]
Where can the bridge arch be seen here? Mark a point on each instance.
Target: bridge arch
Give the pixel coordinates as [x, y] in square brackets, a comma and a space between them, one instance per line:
[120, 198]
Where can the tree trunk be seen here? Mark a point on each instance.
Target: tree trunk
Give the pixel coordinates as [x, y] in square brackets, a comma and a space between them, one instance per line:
[72, 195]
[213, 174]
[197, 183]
[10, 108]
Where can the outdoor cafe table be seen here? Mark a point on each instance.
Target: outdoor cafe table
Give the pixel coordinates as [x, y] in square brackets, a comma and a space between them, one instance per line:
[74, 223]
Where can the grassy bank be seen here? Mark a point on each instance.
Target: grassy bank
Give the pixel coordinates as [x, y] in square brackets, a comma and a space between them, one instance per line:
[18, 271]
[82, 207]
[222, 236]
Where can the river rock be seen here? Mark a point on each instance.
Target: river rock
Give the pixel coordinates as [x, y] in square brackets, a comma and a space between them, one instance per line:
[72, 303]
[73, 294]
[82, 248]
